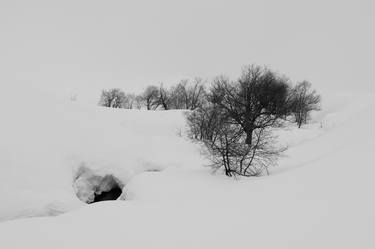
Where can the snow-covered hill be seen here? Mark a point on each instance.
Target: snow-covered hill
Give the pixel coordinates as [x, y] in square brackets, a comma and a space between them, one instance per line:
[319, 196]
[46, 142]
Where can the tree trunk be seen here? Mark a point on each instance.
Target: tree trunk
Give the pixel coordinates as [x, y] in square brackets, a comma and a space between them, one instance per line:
[249, 136]
[228, 172]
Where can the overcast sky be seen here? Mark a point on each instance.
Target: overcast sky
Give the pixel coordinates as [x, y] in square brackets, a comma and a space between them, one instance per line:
[82, 46]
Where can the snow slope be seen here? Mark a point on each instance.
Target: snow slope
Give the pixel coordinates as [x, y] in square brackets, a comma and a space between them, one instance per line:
[320, 195]
[45, 141]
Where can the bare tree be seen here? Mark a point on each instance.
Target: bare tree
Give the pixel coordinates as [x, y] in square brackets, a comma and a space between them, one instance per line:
[203, 121]
[151, 97]
[304, 100]
[138, 102]
[237, 157]
[112, 98]
[165, 98]
[129, 101]
[188, 94]
[179, 95]
[256, 101]
[195, 94]
[225, 143]
[235, 124]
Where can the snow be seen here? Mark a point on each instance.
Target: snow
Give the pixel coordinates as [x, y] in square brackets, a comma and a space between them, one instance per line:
[319, 196]
[88, 183]
[45, 141]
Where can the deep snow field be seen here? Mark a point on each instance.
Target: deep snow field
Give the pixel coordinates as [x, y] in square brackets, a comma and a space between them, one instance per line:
[321, 194]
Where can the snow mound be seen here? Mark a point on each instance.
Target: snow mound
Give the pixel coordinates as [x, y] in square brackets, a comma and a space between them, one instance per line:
[45, 142]
[95, 186]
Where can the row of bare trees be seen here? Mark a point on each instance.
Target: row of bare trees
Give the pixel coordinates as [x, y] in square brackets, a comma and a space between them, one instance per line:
[187, 94]
[232, 119]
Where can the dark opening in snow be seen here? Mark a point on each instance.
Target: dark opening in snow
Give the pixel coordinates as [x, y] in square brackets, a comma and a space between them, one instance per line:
[91, 186]
[112, 194]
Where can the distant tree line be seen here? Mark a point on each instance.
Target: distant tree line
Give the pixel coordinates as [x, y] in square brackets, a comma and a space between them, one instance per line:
[187, 94]
[232, 119]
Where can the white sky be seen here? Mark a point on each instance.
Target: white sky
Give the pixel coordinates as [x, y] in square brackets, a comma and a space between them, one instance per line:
[82, 46]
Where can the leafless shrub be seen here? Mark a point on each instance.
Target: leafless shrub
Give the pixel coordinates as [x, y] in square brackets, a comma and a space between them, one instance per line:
[304, 100]
[235, 124]
[225, 143]
[114, 98]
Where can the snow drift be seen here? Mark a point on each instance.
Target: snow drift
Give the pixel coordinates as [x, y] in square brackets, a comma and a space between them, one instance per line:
[45, 142]
[319, 196]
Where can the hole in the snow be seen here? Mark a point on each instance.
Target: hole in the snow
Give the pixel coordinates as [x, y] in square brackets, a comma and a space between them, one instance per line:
[91, 187]
[112, 194]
